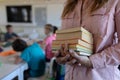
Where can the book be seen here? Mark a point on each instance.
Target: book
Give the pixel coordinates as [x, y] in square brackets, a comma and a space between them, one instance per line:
[78, 39]
[72, 42]
[73, 30]
[77, 48]
[77, 33]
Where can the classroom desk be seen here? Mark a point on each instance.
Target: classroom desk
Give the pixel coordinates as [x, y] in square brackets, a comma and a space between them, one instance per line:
[9, 70]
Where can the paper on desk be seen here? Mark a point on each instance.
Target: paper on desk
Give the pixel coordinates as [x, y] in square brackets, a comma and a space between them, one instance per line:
[11, 59]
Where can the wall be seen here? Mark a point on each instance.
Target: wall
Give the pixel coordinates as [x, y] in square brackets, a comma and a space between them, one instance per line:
[54, 10]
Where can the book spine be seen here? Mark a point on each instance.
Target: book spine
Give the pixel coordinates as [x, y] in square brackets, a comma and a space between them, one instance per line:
[71, 30]
[68, 35]
[75, 47]
[73, 42]
[74, 36]
[76, 50]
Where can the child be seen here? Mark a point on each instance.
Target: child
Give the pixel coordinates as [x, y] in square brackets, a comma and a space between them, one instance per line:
[48, 41]
[10, 35]
[33, 55]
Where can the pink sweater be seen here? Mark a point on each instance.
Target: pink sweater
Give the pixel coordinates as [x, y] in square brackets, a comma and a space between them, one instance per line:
[48, 48]
[103, 24]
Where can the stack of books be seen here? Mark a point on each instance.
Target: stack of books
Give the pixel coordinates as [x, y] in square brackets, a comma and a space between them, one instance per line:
[78, 39]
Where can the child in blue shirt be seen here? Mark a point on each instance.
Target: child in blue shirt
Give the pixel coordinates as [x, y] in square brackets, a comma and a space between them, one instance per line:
[33, 55]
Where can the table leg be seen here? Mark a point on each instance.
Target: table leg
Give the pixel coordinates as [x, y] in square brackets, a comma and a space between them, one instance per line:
[21, 72]
[20, 76]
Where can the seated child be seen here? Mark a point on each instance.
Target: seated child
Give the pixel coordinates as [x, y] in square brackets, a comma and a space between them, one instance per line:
[10, 35]
[33, 55]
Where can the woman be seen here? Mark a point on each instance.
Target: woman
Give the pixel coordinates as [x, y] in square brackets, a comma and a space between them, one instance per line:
[102, 19]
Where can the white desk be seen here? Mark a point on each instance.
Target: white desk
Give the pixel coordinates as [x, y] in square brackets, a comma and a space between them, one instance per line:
[9, 70]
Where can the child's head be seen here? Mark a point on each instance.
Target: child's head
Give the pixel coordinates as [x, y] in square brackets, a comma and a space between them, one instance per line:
[48, 29]
[19, 45]
[9, 28]
[54, 29]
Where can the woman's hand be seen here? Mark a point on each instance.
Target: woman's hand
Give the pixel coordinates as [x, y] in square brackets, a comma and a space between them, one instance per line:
[82, 60]
[66, 56]
[62, 60]
[62, 55]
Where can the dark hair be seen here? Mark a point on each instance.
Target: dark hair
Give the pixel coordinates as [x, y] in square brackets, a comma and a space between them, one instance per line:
[49, 27]
[8, 26]
[19, 45]
[55, 29]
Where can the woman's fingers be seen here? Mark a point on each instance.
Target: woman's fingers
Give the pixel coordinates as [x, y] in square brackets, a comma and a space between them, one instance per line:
[62, 49]
[74, 54]
[72, 62]
[66, 49]
[63, 60]
[56, 53]
[59, 52]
